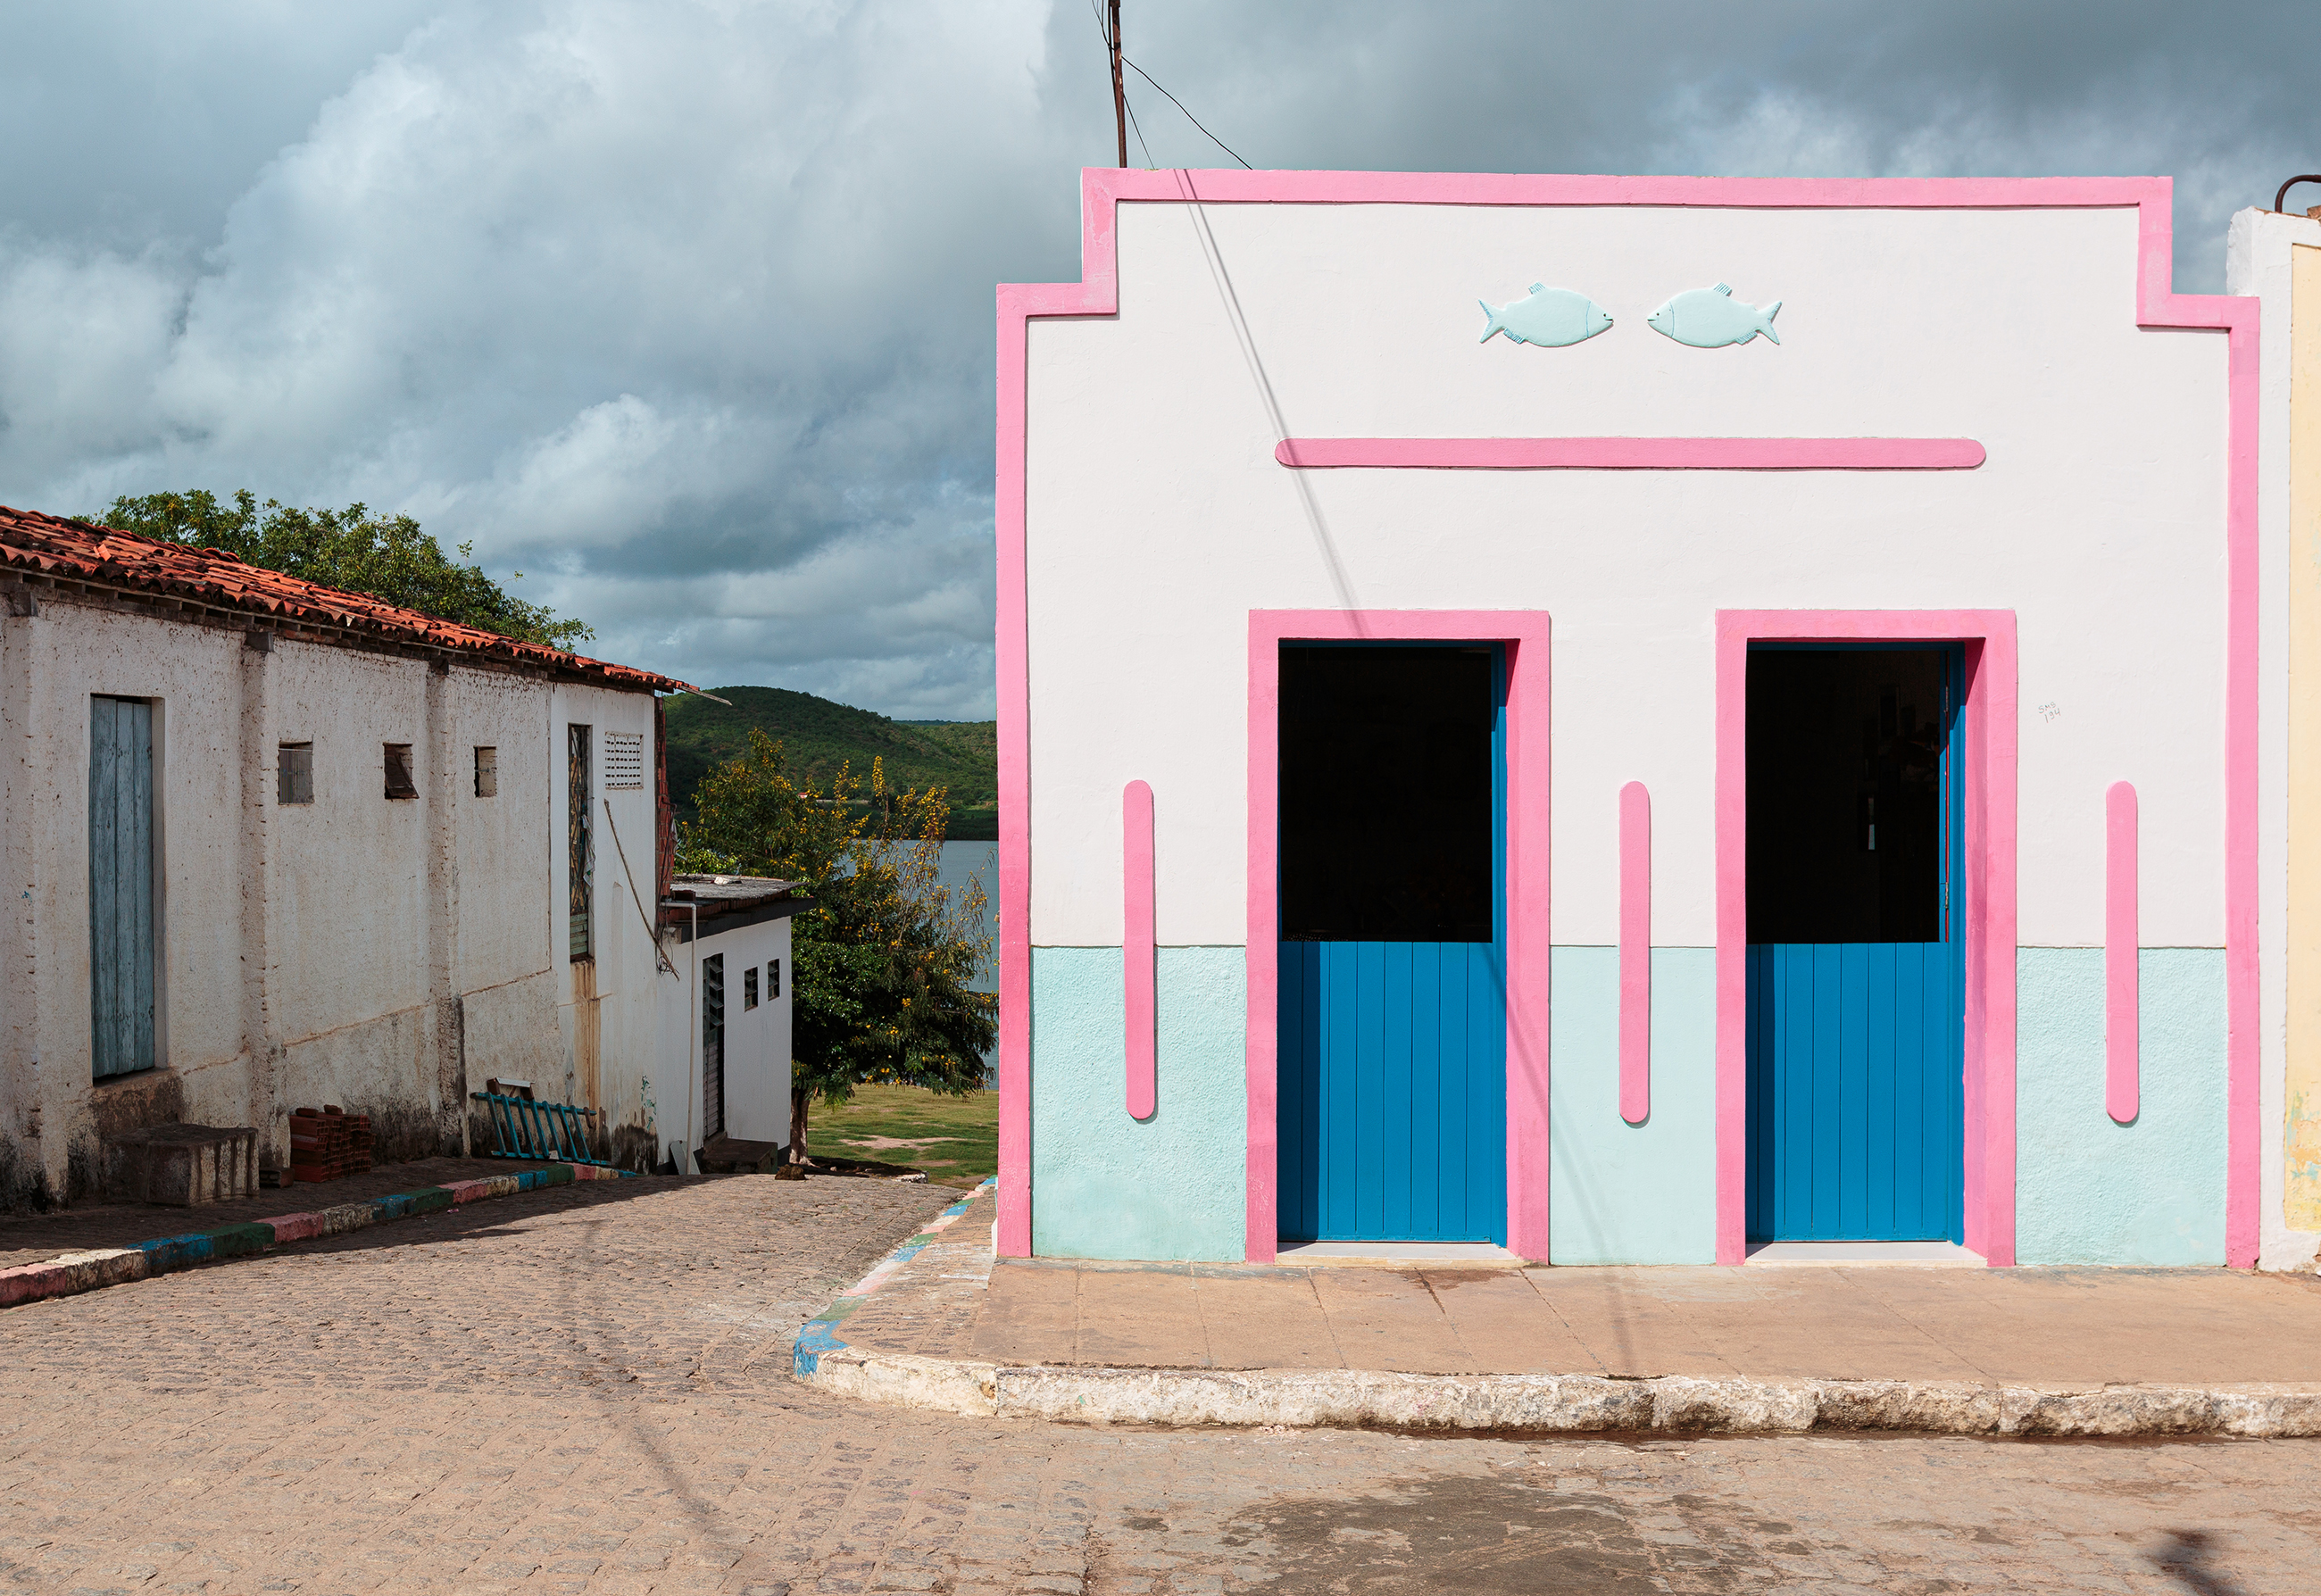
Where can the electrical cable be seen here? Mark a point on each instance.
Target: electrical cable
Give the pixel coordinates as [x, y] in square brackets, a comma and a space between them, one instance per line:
[1104, 33]
[1195, 121]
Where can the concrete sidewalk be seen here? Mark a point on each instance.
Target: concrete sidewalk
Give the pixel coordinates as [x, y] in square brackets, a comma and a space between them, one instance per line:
[1761, 1346]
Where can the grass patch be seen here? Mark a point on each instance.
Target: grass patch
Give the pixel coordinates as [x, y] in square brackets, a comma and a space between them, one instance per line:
[956, 1140]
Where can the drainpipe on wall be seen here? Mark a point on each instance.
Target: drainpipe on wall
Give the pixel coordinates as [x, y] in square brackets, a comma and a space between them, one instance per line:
[263, 1084]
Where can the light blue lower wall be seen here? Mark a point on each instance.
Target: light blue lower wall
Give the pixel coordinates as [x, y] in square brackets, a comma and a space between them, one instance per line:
[2088, 1190]
[1624, 1193]
[1107, 1186]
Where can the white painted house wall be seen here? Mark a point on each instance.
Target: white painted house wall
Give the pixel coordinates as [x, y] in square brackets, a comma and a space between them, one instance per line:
[383, 955]
[1158, 518]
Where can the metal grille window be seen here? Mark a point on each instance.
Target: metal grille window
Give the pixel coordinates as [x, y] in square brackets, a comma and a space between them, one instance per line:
[748, 986]
[773, 977]
[579, 840]
[399, 784]
[487, 773]
[294, 773]
[713, 1046]
[625, 762]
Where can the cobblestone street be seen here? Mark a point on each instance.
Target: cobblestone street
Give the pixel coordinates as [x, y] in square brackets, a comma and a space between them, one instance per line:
[586, 1389]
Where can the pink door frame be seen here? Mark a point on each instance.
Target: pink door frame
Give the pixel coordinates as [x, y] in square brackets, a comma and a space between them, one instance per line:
[1987, 916]
[1102, 192]
[1524, 634]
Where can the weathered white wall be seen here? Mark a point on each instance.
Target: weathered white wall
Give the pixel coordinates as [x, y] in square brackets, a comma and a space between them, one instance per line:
[380, 954]
[757, 1040]
[1158, 518]
[611, 1039]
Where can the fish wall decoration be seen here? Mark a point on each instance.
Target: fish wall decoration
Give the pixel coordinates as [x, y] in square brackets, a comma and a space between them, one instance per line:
[1711, 318]
[1552, 318]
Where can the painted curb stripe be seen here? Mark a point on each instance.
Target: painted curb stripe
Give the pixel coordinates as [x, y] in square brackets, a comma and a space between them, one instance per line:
[75, 1272]
[817, 1338]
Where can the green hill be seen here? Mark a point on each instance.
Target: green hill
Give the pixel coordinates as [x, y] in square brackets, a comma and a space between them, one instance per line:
[820, 736]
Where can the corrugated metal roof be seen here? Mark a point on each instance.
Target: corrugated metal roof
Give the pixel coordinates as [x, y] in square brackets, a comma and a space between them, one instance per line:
[74, 551]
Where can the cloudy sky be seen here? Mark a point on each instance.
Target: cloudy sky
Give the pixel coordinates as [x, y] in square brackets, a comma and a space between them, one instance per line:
[683, 307]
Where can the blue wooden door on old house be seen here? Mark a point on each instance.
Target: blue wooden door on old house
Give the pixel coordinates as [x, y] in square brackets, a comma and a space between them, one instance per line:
[1391, 1023]
[121, 939]
[1855, 1035]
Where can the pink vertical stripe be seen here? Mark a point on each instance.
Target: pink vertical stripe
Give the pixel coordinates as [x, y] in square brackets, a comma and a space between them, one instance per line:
[1635, 953]
[1137, 953]
[2120, 947]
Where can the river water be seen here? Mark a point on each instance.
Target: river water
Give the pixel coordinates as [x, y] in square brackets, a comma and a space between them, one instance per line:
[961, 863]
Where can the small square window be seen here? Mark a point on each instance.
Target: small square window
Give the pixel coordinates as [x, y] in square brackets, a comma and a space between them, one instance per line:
[399, 784]
[773, 977]
[294, 773]
[487, 773]
[750, 987]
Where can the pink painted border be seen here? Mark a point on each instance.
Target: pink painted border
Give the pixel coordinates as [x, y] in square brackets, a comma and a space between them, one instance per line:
[2121, 950]
[1137, 951]
[1524, 634]
[1104, 189]
[1636, 454]
[1635, 953]
[1987, 921]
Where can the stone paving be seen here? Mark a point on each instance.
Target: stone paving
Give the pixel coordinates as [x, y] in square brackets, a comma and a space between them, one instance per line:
[585, 1389]
[34, 1238]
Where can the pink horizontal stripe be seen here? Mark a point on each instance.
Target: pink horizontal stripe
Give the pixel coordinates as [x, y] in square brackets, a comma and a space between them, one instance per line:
[1637, 455]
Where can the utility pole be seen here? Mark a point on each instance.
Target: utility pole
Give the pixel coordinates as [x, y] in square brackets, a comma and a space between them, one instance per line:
[1119, 89]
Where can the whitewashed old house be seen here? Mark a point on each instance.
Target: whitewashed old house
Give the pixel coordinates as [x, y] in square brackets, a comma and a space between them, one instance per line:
[273, 844]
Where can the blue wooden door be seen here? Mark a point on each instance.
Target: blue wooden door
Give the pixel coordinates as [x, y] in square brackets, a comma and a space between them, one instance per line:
[1391, 1095]
[121, 941]
[1855, 1033]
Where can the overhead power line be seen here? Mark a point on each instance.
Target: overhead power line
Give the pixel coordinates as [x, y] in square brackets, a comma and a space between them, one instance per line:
[1195, 121]
[1125, 113]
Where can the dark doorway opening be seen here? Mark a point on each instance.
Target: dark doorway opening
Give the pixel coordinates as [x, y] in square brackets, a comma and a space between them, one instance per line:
[1391, 1008]
[1845, 820]
[1854, 1036]
[1387, 794]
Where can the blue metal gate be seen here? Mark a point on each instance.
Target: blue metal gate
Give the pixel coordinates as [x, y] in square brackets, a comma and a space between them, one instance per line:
[1856, 990]
[121, 940]
[1391, 1095]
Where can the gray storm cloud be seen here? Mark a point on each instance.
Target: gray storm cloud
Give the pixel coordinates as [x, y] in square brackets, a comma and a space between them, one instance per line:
[685, 309]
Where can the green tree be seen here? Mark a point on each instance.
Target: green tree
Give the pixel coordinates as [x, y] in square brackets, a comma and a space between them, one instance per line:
[387, 557]
[881, 964]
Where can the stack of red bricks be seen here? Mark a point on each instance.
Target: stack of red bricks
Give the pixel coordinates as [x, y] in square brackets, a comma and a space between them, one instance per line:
[328, 1144]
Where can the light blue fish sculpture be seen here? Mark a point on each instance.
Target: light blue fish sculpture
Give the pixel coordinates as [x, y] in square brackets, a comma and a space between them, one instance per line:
[1711, 318]
[1550, 318]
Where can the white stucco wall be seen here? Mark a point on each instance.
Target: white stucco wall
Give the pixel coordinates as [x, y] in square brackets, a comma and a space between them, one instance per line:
[358, 950]
[1158, 518]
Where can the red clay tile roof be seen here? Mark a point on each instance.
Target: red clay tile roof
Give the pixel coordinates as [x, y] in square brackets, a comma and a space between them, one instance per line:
[76, 551]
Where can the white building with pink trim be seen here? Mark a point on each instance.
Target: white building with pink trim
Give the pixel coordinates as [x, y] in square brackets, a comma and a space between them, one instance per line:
[1631, 720]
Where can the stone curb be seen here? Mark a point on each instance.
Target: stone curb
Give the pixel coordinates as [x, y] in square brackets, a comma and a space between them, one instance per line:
[1503, 1404]
[76, 1273]
[1540, 1404]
